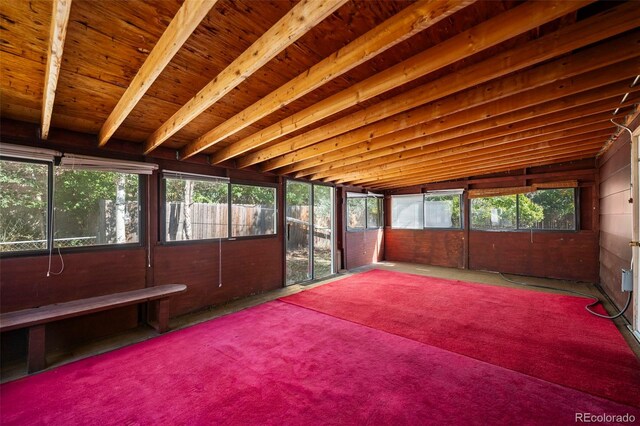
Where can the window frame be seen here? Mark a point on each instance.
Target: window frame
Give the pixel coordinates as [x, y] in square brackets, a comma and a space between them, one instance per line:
[366, 226]
[424, 196]
[576, 216]
[142, 225]
[49, 233]
[276, 210]
[142, 217]
[162, 213]
[440, 228]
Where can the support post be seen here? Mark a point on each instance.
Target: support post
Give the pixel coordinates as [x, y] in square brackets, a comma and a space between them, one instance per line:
[36, 359]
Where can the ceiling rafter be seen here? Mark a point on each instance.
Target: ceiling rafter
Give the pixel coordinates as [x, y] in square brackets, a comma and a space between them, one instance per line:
[483, 36]
[534, 151]
[597, 99]
[488, 149]
[385, 146]
[557, 123]
[57, 34]
[411, 20]
[304, 16]
[332, 135]
[448, 174]
[183, 24]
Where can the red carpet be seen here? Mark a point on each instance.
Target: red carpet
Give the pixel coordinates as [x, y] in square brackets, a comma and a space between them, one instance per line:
[544, 335]
[281, 364]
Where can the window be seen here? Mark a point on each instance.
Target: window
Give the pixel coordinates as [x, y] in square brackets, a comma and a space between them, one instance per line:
[253, 210]
[546, 209]
[199, 207]
[195, 209]
[356, 213]
[364, 211]
[84, 201]
[442, 210]
[24, 205]
[407, 211]
[374, 212]
[494, 213]
[95, 208]
[437, 209]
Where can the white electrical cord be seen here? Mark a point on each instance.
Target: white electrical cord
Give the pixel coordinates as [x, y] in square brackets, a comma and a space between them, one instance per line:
[50, 239]
[590, 296]
[219, 261]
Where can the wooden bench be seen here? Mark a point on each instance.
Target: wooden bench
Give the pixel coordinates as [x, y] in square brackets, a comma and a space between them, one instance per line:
[36, 318]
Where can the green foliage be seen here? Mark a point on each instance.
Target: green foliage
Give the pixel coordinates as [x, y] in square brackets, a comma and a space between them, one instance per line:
[203, 191]
[23, 201]
[253, 195]
[530, 212]
[77, 199]
[503, 208]
[543, 209]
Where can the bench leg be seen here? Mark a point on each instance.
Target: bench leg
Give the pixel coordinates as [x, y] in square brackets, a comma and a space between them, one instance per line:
[162, 312]
[36, 360]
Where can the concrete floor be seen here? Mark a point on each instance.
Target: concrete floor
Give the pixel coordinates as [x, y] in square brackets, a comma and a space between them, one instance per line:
[17, 370]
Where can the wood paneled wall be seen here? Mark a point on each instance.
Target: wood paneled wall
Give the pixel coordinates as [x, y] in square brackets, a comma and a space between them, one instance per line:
[24, 284]
[430, 247]
[615, 216]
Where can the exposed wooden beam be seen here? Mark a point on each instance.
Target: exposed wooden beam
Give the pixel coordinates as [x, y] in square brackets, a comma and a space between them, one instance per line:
[304, 16]
[57, 34]
[488, 150]
[411, 20]
[464, 161]
[191, 13]
[459, 147]
[476, 168]
[561, 158]
[476, 133]
[333, 136]
[496, 115]
[532, 153]
[467, 106]
[487, 34]
[531, 161]
[496, 144]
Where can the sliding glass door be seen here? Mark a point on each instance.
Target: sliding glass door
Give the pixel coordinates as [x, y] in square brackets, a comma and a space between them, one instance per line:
[309, 231]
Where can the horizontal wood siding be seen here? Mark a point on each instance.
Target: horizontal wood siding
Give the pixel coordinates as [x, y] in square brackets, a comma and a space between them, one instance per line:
[364, 247]
[615, 217]
[431, 247]
[25, 285]
[571, 255]
[248, 267]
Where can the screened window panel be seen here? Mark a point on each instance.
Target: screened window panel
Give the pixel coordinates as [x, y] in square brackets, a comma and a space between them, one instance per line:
[356, 213]
[253, 210]
[23, 206]
[407, 212]
[442, 211]
[548, 209]
[374, 212]
[95, 208]
[494, 213]
[196, 209]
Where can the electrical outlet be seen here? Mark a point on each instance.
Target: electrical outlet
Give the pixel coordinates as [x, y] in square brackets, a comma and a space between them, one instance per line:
[627, 280]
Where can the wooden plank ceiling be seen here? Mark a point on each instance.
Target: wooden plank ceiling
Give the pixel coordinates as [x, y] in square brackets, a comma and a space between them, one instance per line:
[378, 94]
